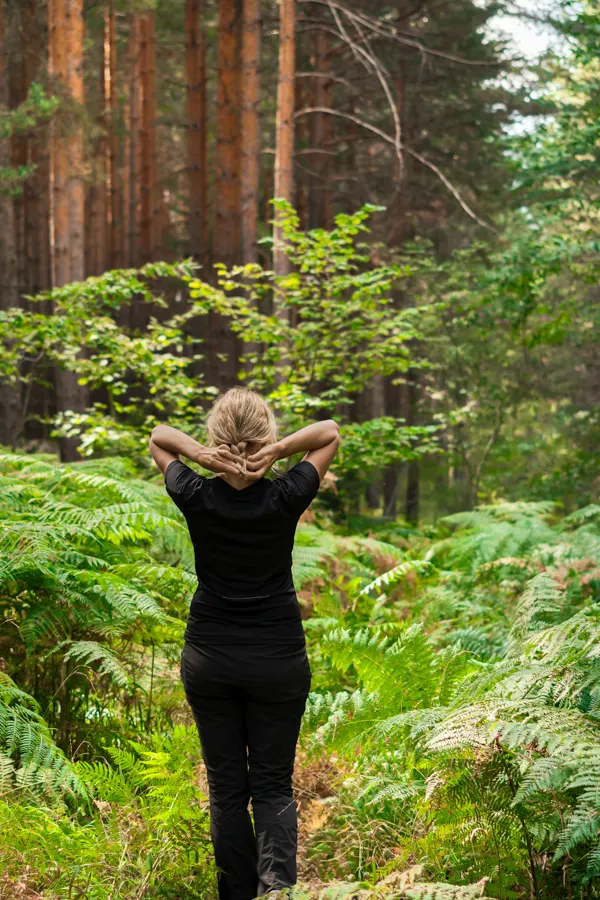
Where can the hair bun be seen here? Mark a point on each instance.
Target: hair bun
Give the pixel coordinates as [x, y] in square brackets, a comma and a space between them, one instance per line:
[239, 449]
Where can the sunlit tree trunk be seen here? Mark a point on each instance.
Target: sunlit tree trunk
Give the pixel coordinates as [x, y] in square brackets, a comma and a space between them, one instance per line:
[250, 128]
[148, 140]
[59, 162]
[75, 182]
[9, 286]
[65, 49]
[284, 146]
[196, 129]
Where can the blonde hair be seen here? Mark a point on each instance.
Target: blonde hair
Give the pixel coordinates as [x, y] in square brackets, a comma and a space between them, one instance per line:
[240, 417]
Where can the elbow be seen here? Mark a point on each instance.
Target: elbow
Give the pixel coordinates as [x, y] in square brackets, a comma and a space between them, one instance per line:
[155, 434]
[335, 432]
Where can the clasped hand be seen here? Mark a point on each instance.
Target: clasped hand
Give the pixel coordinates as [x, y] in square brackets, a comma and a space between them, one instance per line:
[223, 462]
[260, 462]
[220, 460]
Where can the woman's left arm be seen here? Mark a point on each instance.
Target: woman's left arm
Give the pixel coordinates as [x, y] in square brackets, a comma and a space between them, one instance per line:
[161, 457]
[167, 444]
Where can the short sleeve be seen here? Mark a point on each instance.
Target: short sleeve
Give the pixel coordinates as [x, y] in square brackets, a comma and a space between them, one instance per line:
[299, 486]
[182, 483]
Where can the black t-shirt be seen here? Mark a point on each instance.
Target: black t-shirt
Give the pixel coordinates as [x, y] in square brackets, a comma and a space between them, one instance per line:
[243, 542]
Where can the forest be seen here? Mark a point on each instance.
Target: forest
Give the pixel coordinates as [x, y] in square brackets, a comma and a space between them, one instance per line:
[384, 213]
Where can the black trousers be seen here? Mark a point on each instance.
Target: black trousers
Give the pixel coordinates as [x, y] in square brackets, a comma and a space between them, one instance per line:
[248, 729]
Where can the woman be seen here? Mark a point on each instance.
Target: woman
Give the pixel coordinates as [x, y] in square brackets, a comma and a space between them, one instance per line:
[244, 665]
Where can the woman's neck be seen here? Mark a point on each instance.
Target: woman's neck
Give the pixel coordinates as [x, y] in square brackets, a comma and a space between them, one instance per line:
[235, 481]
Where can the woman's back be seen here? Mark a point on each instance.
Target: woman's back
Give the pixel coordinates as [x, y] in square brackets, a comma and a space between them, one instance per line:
[243, 541]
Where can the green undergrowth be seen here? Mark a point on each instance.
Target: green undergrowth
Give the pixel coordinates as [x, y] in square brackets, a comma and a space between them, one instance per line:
[450, 744]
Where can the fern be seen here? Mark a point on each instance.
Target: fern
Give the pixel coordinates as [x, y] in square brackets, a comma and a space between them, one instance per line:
[393, 576]
[29, 757]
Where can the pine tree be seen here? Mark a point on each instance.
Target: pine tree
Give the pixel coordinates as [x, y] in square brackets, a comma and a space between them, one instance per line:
[9, 284]
[250, 128]
[196, 113]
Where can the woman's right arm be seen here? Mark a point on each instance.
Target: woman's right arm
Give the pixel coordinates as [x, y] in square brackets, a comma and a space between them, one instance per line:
[319, 443]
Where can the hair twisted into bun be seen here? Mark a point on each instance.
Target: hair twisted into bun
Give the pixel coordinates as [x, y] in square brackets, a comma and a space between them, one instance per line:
[239, 449]
[240, 417]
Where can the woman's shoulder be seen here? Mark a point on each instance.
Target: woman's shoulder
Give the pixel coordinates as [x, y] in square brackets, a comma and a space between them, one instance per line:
[298, 486]
[182, 483]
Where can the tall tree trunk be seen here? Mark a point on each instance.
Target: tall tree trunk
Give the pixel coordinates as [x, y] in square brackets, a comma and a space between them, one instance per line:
[35, 190]
[227, 205]
[112, 163]
[75, 183]
[96, 218]
[59, 161]
[284, 146]
[301, 143]
[393, 396]
[250, 128]
[17, 92]
[411, 510]
[376, 402]
[148, 173]
[133, 219]
[65, 50]
[195, 66]
[9, 287]
[396, 397]
[320, 213]
[226, 240]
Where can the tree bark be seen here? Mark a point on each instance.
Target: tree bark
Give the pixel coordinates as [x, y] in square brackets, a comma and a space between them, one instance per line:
[96, 218]
[10, 396]
[227, 200]
[75, 183]
[65, 51]
[195, 65]
[250, 128]
[320, 210]
[301, 143]
[284, 147]
[395, 396]
[411, 509]
[59, 161]
[112, 163]
[376, 401]
[35, 190]
[148, 186]
[226, 241]
[133, 193]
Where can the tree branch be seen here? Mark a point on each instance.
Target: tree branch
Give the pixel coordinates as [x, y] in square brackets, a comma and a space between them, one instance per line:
[389, 140]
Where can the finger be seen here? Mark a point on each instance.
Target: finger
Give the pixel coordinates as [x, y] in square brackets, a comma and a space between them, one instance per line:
[256, 467]
[225, 453]
[228, 470]
[260, 454]
[254, 463]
